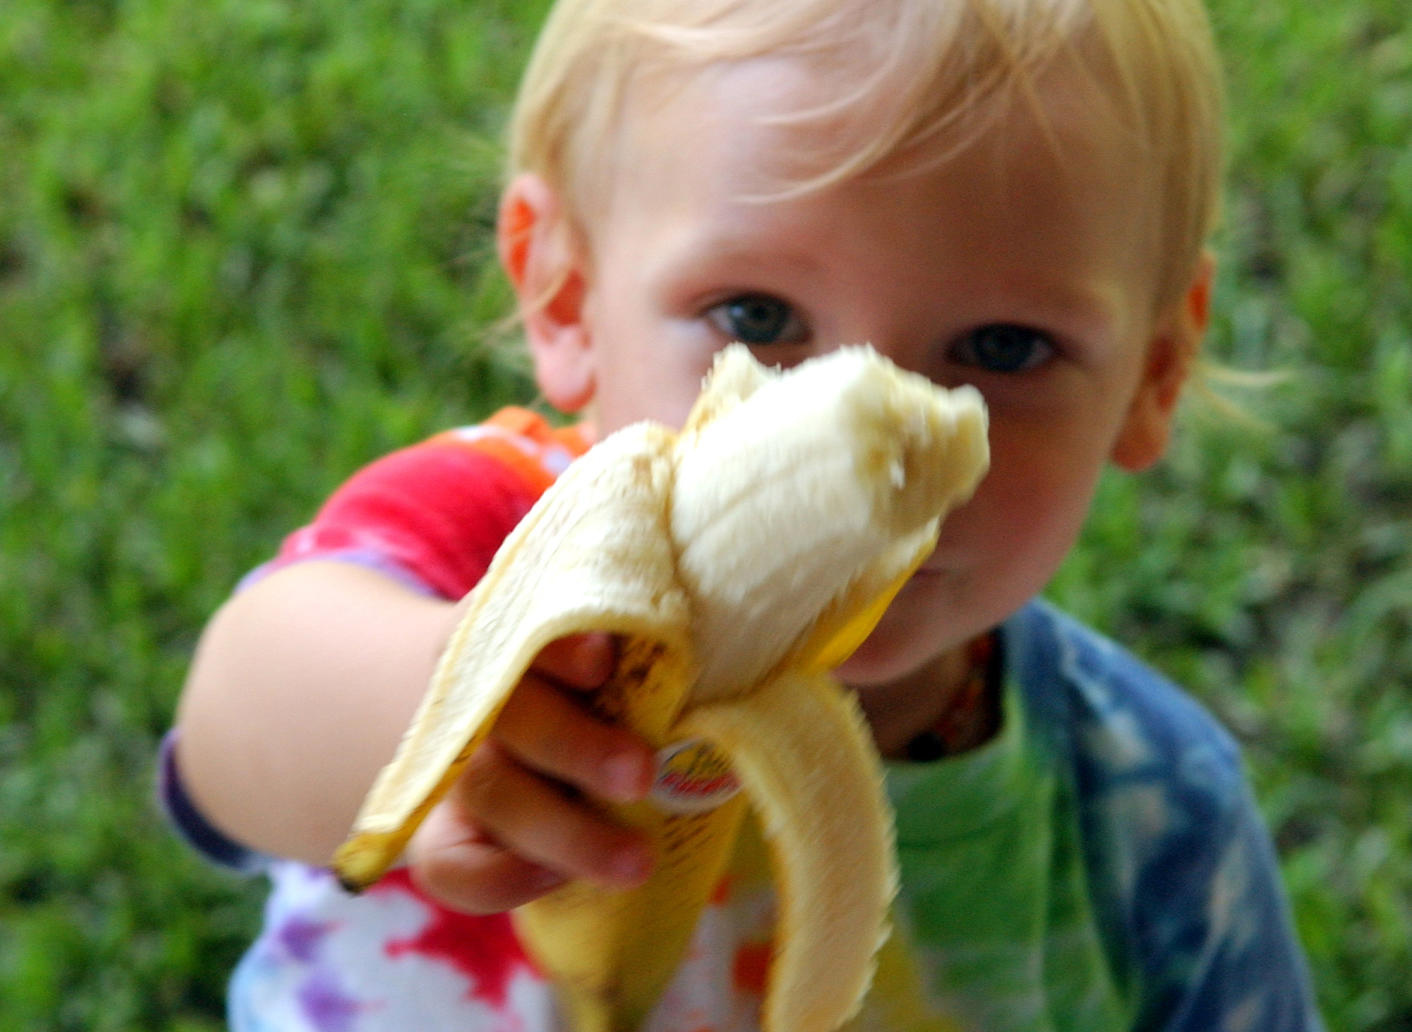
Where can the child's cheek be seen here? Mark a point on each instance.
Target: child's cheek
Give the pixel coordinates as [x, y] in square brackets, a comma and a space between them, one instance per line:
[1016, 530]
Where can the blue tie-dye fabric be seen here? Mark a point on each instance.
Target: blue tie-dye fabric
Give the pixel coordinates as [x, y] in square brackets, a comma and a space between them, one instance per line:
[1101, 865]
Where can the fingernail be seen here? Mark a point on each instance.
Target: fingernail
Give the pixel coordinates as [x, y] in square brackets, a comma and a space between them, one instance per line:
[625, 777]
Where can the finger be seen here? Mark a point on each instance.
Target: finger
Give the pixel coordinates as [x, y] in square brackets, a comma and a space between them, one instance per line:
[540, 822]
[548, 732]
[579, 661]
[456, 864]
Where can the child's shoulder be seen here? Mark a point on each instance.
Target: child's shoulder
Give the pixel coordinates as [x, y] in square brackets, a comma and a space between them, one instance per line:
[1179, 863]
[1118, 717]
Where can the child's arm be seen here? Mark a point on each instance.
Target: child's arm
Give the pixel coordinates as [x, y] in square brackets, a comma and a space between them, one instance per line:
[298, 694]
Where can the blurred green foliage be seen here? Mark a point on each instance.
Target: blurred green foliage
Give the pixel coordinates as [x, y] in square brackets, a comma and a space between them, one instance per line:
[244, 247]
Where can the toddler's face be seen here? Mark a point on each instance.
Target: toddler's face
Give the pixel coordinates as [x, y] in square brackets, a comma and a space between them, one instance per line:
[1004, 268]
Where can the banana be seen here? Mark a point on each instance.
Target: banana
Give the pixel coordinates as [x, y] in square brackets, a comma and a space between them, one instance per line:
[740, 560]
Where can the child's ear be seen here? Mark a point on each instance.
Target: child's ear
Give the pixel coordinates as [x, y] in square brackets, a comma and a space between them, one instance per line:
[1171, 352]
[539, 254]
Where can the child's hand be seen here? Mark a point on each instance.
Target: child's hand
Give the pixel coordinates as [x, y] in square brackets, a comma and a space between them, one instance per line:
[522, 819]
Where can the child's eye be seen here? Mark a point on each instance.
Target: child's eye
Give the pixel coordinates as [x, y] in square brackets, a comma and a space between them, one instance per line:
[757, 319]
[1003, 348]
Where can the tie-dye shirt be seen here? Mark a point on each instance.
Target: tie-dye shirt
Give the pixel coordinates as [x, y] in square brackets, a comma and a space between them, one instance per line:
[1098, 866]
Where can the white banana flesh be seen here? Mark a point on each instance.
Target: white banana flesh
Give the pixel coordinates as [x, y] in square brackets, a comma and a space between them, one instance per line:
[740, 560]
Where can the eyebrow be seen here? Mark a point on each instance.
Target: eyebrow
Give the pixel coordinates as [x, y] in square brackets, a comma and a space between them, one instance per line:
[721, 252]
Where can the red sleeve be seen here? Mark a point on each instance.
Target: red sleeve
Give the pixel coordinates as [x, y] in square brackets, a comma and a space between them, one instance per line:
[435, 513]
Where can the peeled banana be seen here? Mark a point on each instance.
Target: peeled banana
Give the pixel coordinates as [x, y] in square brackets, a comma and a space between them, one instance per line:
[739, 560]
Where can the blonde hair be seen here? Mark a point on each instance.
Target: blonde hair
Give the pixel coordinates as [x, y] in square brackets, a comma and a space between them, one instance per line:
[946, 69]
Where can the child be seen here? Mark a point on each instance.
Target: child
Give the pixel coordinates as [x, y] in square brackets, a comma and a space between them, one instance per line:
[1015, 194]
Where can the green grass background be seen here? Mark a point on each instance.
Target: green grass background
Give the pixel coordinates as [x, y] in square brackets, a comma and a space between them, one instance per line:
[244, 247]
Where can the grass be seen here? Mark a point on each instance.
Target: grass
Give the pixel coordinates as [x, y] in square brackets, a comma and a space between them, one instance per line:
[244, 248]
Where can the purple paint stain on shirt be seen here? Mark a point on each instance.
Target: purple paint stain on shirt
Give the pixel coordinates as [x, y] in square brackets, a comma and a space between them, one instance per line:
[301, 937]
[324, 1003]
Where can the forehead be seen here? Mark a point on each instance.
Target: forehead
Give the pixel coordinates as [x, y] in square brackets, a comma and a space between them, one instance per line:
[742, 116]
[769, 129]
